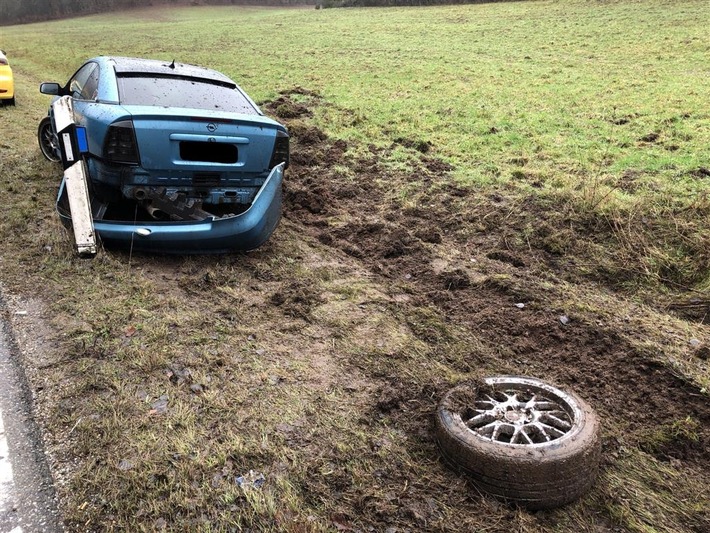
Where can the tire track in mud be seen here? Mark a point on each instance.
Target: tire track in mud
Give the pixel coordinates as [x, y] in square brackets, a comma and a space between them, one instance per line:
[404, 245]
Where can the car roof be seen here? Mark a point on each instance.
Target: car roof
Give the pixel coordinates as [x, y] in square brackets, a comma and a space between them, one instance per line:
[133, 65]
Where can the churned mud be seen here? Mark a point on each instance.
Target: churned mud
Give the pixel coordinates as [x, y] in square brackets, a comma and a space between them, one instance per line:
[445, 247]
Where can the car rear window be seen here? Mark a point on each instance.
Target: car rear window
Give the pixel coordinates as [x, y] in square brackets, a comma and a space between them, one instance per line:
[169, 91]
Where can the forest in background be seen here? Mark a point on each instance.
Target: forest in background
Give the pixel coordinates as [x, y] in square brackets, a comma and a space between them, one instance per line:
[393, 3]
[23, 11]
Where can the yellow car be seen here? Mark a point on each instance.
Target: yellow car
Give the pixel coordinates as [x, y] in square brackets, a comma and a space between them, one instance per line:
[7, 84]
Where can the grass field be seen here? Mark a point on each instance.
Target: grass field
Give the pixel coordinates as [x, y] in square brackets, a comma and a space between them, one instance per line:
[448, 163]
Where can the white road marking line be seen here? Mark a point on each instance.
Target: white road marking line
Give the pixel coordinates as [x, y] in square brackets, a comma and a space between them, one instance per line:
[7, 483]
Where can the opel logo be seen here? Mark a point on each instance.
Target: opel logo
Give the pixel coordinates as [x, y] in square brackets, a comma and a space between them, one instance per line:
[211, 127]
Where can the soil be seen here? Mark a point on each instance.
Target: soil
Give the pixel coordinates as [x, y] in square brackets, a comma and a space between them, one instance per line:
[436, 246]
[403, 244]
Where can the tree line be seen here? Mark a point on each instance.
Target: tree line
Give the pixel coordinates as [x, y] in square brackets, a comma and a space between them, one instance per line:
[23, 11]
[391, 3]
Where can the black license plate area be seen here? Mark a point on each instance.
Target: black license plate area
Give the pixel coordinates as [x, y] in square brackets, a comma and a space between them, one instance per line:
[208, 152]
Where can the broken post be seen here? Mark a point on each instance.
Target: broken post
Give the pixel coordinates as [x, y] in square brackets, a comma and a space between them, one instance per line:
[72, 142]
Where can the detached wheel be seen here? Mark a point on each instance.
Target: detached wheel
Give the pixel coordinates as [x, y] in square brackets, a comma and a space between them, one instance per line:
[521, 439]
[48, 142]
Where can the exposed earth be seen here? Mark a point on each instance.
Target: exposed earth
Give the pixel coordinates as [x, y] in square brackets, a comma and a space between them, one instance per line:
[446, 253]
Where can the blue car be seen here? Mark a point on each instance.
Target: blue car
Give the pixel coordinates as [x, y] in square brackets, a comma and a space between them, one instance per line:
[179, 160]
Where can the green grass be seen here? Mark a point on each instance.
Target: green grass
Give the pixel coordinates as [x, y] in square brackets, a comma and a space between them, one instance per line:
[577, 132]
[550, 77]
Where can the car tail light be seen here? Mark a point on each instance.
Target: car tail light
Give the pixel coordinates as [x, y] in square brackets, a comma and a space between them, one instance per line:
[280, 153]
[120, 145]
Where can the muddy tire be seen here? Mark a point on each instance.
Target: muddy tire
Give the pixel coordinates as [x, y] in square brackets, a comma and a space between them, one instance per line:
[48, 142]
[521, 440]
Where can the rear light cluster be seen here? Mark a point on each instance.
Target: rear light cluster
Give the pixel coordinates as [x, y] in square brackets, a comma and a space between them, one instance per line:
[281, 151]
[120, 145]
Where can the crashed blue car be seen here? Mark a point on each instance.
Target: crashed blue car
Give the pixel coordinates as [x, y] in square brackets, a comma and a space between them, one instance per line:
[179, 158]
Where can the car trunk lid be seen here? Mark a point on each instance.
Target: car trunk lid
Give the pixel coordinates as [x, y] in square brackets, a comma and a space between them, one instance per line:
[171, 139]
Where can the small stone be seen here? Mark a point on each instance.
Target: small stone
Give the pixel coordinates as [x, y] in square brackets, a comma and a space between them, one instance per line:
[520, 305]
[694, 343]
[160, 405]
[125, 464]
[564, 320]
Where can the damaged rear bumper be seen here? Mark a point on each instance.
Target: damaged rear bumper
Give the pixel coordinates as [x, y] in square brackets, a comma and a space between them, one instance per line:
[245, 231]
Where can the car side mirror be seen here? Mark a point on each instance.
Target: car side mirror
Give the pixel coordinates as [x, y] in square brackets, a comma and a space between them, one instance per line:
[50, 88]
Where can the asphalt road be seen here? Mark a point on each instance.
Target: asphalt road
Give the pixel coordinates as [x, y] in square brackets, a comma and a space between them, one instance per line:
[27, 497]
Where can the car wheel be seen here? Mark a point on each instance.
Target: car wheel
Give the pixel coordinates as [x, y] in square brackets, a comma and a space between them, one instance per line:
[48, 142]
[521, 439]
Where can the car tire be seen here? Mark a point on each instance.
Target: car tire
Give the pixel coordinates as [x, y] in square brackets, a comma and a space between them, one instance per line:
[47, 139]
[521, 440]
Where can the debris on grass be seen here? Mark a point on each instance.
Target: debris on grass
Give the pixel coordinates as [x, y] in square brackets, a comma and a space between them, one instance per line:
[251, 480]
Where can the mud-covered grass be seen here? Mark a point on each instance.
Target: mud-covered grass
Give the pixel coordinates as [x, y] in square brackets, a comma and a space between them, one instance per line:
[520, 157]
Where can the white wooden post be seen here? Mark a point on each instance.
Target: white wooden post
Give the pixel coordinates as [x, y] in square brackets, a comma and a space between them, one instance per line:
[75, 177]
